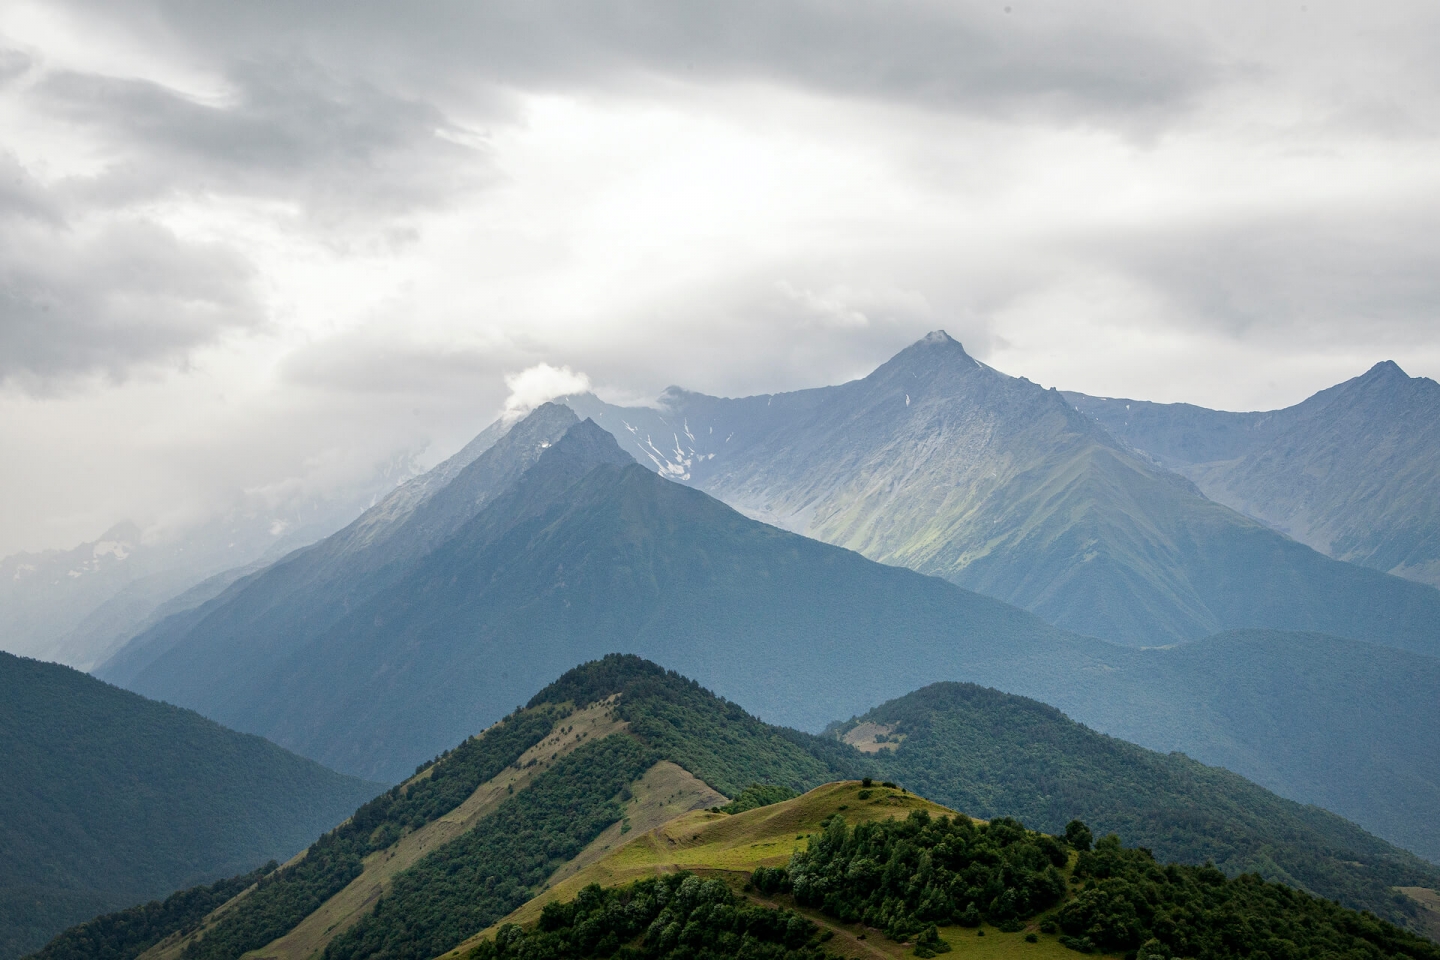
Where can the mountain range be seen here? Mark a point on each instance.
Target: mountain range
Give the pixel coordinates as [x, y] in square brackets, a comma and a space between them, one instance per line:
[78, 606]
[108, 799]
[398, 635]
[1354, 471]
[940, 463]
[620, 771]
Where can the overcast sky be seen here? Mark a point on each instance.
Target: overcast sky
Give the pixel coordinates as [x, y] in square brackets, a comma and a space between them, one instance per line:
[268, 247]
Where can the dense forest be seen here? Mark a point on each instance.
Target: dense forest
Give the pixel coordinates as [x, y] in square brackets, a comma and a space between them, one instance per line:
[1128, 901]
[679, 917]
[992, 754]
[906, 876]
[108, 799]
[900, 876]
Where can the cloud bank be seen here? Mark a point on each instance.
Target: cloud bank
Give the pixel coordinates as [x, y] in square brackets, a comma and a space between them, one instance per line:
[237, 240]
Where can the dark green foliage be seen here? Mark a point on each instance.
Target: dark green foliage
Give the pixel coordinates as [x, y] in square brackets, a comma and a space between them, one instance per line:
[473, 881]
[711, 737]
[1078, 835]
[904, 876]
[991, 754]
[1131, 902]
[289, 895]
[108, 800]
[929, 943]
[758, 795]
[129, 933]
[679, 917]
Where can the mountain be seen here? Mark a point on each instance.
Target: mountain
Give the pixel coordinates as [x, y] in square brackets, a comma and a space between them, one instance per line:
[369, 666]
[78, 606]
[108, 799]
[1354, 471]
[306, 591]
[619, 769]
[944, 465]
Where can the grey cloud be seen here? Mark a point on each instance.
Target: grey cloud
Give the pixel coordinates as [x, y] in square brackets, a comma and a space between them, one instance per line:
[75, 302]
[21, 197]
[1296, 278]
[373, 361]
[1097, 60]
[340, 147]
[13, 63]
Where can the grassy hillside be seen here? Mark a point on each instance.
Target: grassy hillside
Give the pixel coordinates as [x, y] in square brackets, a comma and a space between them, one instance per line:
[108, 799]
[1353, 471]
[871, 871]
[610, 773]
[941, 464]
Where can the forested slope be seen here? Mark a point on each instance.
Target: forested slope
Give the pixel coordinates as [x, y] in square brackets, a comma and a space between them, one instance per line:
[480, 831]
[109, 799]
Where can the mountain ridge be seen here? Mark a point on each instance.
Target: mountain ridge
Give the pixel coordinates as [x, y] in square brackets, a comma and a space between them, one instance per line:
[937, 462]
[583, 555]
[1353, 470]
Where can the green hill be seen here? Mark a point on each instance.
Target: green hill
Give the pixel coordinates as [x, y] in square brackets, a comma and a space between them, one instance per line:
[910, 880]
[108, 799]
[617, 748]
[992, 754]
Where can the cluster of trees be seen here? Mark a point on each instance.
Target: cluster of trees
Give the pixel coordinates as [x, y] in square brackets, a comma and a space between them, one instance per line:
[905, 876]
[478, 878]
[128, 933]
[1129, 902]
[757, 795]
[678, 917]
[287, 896]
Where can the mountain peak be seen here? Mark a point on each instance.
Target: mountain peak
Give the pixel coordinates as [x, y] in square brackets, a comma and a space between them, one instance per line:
[1385, 370]
[582, 448]
[937, 343]
[935, 353]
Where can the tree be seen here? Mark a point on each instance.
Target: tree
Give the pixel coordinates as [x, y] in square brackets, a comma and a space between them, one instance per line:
[1078, 835]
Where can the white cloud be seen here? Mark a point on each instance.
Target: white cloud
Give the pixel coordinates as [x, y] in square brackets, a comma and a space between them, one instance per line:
[236, 236]
[535, 385]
